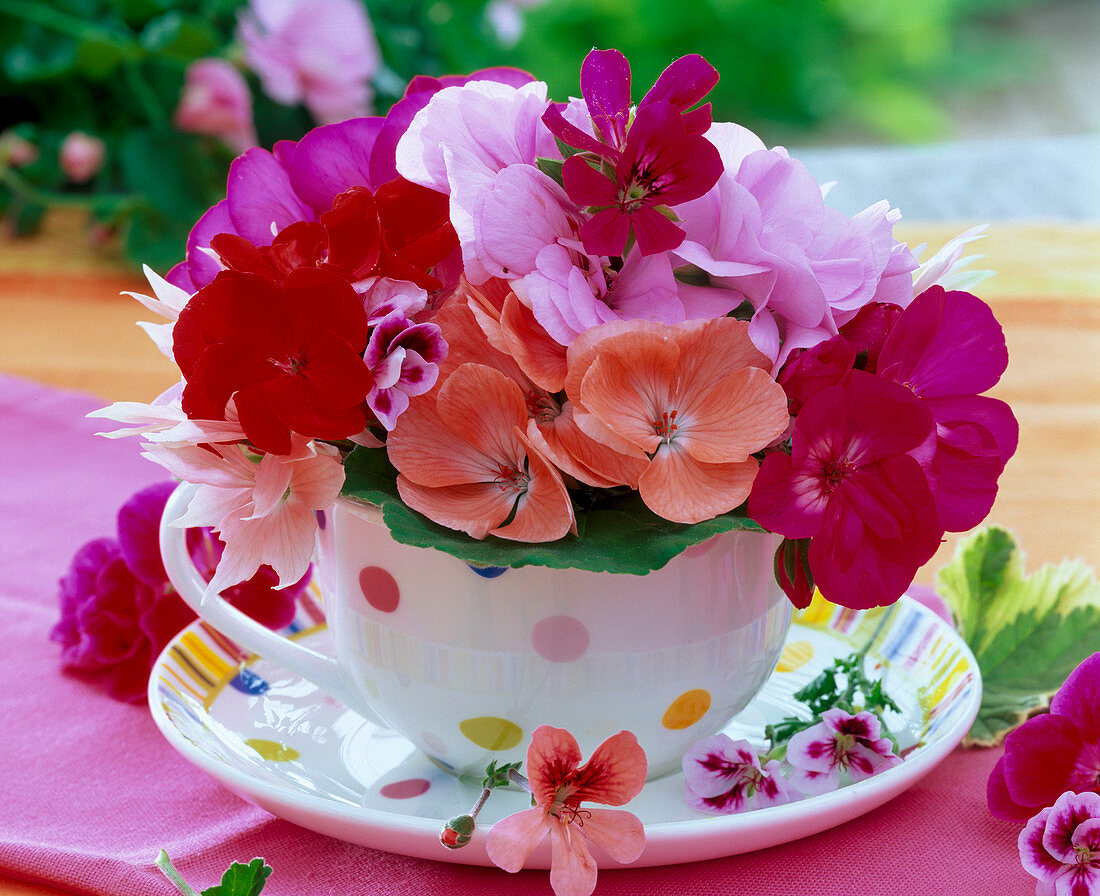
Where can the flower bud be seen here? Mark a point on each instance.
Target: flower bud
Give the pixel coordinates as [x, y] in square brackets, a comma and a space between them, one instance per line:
[457, 832]
[81, 156]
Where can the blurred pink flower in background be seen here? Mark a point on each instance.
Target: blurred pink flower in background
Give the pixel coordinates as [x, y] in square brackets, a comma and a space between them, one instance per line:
[81, 156]
[321, 53]
[16, 150]
[216, 101]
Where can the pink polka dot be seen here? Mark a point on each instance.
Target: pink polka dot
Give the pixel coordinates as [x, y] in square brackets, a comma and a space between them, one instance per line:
[560, 639]
[433, 742]
[405, 790]
[379, 588]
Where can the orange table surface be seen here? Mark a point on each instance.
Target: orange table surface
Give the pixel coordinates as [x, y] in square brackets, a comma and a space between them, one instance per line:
[63, 322]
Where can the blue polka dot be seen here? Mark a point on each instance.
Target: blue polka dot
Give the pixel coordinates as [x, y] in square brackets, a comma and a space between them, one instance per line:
[248, 682]
[489, 572]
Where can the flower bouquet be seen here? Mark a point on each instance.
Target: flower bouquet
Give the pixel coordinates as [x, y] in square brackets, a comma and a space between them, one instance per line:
[585, 335]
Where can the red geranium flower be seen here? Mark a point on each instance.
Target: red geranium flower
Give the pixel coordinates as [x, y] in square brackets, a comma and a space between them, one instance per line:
[290, 355]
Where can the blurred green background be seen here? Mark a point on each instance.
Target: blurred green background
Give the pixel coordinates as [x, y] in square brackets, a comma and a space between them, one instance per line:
[797, 71]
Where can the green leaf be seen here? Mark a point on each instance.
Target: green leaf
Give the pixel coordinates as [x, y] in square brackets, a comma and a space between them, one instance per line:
[621, 535]
[180, 36]
[1027, 632]
[242, 880]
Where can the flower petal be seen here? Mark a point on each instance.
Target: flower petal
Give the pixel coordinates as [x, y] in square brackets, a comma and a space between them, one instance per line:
[512, 839]
[614, 773]
[552, 757]
[679, 488]
[572, 868]
[620, 834]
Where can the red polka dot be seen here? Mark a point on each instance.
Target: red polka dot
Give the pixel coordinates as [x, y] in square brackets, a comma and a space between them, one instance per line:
[560, 639]
[379, 588]
[405, 790]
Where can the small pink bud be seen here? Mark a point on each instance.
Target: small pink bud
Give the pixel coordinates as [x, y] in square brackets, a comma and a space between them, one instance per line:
[81, 156]
[216, 101]
[17, 151]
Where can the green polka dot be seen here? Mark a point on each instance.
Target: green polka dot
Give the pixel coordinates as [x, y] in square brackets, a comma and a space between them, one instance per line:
[273, 750]
[492, 732]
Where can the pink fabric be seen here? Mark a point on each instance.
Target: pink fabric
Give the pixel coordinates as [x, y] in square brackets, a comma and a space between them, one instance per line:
[90, 791]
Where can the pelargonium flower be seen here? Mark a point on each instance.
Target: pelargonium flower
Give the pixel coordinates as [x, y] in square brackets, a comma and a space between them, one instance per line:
[1060, 846]
[695, 400]
[119, 611]
[265, 511]
[657, 157]
[466, 462]
[851, 485]
[1052, 753]
[947, 348]
[404, 362]
[840, 742]
[289, 354]
[724, 776]
[613, 775]
[321, 53]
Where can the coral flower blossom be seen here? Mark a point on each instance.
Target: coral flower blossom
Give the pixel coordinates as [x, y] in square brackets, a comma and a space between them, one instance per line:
[695, 400]
[840, 742]
[613, 776]
[466, 462]
[1052, 753]
[1061, 846]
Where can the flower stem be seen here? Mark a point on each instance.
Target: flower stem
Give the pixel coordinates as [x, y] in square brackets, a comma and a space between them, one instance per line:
[165, 865]
[115, 203]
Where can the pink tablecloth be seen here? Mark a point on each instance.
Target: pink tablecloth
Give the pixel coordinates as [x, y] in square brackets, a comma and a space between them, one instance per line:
[90, 791]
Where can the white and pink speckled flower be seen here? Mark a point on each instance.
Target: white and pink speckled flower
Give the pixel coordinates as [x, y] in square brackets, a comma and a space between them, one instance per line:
[724, 776]
[403, 358]
[1060, 846]
[840, 742]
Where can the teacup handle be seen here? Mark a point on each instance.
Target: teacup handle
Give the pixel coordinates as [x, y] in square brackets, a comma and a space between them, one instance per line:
[324, 671]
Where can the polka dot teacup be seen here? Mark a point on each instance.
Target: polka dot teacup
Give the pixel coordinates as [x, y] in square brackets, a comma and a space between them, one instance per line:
[466, 663]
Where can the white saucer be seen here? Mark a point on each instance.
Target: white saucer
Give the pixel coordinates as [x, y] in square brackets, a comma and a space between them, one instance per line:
[275, 740]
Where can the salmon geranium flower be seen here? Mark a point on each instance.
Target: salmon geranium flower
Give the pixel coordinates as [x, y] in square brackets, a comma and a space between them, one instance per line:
[695, 399]
[466, 462]
[613, 776]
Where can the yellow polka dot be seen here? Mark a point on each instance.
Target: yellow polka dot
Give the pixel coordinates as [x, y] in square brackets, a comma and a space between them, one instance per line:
[795, 656]
[492, 732]
[687, 709]
[273, 750]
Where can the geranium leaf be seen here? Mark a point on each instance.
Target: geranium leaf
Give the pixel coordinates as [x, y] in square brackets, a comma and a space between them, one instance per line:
[622, 536]
[1027, 632]
[242, 880]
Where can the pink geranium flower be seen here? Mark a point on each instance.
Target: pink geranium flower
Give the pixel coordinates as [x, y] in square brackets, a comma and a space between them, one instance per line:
[264, 511]
[1061, 846]
[840, 742]
[403, 358]
[1052, 753]
[851, 486]
[466, 462]
[321, 53]
[81, 156]
[693, 400]
[724, 776]
[613, 776]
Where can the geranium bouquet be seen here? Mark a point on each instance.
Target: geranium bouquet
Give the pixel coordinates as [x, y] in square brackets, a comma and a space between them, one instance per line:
[584, 335]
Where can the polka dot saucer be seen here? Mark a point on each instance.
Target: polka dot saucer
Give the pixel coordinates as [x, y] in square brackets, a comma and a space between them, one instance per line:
[281, 743]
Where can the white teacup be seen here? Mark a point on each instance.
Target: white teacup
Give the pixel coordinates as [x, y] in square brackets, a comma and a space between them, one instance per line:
[466, 662]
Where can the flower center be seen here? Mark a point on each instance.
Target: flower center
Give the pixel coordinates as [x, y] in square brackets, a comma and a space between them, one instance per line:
[666, 427]
[836, 471]
[510, 479]
[288, 364]
[542, 407]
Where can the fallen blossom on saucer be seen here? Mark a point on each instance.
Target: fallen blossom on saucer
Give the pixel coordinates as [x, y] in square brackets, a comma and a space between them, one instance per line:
[725, 776]
[840, 742]
[613, 776]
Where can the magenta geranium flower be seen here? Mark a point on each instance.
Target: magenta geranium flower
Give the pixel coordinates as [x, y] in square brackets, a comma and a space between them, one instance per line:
[119, 611]
[851, 486]
[1052, 753]
[1061, 846]
[839, 743]
[724, 776]
[658, 159]
[948, 348]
